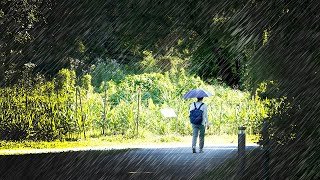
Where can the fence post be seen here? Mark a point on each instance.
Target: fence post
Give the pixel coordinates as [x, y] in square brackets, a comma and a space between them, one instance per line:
[241, 151]
[138, 114]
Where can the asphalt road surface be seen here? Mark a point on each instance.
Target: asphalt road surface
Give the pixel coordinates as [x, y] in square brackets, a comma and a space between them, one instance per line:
[138, 163]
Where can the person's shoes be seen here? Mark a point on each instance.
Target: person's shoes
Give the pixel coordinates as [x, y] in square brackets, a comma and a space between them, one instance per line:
[193, 150]
[200, 151]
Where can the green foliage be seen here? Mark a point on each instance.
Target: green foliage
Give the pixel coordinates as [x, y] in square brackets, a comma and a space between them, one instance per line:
[80, 46]
[215, 34]
[59, 109]
[150, 63]
[107, 70]
[45, 111]
[228, 108]
[86, 83]
[214, 59]
[276, 112]
[168, 33]
[25, 13]
[65, 81]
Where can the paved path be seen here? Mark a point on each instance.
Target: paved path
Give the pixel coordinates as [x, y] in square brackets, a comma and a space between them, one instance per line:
[145, 163]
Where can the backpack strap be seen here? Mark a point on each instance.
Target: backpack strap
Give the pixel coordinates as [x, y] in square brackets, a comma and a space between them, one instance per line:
[196, 106]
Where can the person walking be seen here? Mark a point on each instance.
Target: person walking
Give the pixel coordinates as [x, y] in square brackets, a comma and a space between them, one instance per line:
[198, 129]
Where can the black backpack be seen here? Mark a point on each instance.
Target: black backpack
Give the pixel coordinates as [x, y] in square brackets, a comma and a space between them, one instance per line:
[196, 115]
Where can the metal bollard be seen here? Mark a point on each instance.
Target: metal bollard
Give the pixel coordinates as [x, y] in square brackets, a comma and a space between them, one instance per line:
[241, 151]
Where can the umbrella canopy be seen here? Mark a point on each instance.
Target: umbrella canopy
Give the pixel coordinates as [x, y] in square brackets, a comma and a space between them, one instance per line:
[197, 93]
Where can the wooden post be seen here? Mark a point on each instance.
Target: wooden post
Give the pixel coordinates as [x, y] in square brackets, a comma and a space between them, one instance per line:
[104, 110]
[177, 125]
[26, 102]
[76, 109]
[82, 116]
[137, 121]
[220, 118]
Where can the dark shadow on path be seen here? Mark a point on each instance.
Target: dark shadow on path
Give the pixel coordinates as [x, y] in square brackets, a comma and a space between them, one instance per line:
[148, 163]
